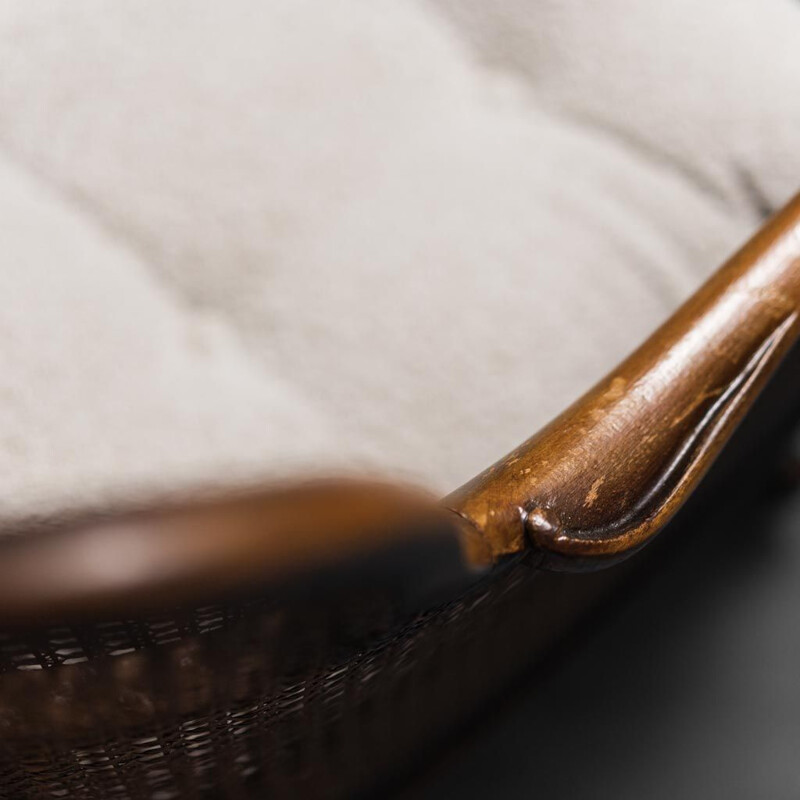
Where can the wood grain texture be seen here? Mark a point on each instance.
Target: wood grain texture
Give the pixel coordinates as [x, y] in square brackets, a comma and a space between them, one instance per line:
[607, 474]
[592, 487]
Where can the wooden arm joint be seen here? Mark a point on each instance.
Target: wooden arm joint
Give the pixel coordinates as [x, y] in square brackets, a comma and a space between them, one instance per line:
[605, 476]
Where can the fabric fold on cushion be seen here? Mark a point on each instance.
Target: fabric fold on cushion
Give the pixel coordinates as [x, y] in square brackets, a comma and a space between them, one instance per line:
[711, 88]
[414, 262]
[109, 392]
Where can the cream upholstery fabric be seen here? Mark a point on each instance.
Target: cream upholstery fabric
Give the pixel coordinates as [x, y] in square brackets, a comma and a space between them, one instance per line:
[243, 240]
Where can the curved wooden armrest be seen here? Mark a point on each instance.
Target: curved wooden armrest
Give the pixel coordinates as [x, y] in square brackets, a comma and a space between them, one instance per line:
[592, 487]
[607, 474]
[138, 561]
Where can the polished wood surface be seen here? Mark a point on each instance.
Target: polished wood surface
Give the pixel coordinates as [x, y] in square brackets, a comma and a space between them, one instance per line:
[605, 476]
[592, 487]
[141, 561]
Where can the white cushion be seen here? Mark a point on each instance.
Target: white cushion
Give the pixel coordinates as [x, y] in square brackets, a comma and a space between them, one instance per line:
[250, 240]
[710, 88]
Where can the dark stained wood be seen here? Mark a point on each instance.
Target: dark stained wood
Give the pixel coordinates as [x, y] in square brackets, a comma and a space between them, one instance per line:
[589, 489]
[139, 562]
[607, 474]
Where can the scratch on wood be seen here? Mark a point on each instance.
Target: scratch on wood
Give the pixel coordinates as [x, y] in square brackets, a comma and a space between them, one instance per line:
[592, 496]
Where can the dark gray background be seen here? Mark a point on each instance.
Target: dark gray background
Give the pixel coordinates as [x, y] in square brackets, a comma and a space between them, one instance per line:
[689, 687]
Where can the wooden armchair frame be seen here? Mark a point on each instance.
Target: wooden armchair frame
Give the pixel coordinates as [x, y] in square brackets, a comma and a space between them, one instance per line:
[590, 489]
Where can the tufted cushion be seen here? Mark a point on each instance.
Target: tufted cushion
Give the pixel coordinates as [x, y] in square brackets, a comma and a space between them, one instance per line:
[251, 240]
